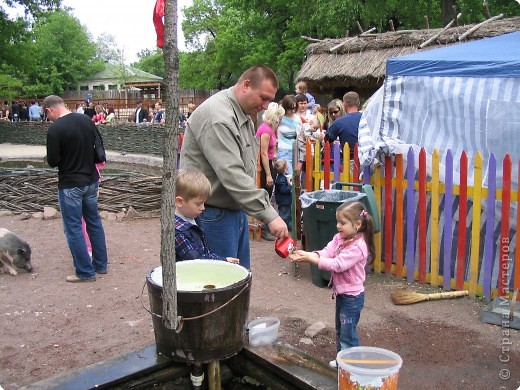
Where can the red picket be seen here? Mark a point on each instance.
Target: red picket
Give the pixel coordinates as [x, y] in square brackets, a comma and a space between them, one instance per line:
[463, 199]
[503, 265]
[326, 166]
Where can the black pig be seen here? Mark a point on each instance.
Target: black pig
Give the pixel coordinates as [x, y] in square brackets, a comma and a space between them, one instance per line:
[15, 253]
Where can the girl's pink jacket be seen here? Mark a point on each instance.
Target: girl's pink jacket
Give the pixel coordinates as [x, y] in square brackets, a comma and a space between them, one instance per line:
[347, 264]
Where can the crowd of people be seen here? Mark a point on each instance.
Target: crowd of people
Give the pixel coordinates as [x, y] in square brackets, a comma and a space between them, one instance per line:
[216, 186]
[287, 126]
[22, 111]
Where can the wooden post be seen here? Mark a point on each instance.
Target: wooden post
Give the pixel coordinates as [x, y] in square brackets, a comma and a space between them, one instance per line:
[454, 14]
[426, 22]
[359, 27]
[214, 375]
[486, 10]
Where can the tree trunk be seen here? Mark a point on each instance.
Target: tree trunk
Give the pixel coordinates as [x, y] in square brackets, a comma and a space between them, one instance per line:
[447, 11]
[170, 153]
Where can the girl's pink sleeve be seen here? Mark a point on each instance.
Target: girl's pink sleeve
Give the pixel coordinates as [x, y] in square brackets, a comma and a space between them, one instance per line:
[330, 250]
[347, 258]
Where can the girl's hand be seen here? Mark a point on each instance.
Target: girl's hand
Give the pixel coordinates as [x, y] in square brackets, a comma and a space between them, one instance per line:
[269, 181]
[299, 256]
[232, 260]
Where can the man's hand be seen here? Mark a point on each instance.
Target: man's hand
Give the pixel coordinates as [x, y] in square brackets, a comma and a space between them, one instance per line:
[278, 228]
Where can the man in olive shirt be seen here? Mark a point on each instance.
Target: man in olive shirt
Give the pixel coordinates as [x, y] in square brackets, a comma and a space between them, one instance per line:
[220, 141]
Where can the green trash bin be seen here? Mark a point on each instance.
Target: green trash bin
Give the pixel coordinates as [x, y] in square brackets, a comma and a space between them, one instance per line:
[319, 219]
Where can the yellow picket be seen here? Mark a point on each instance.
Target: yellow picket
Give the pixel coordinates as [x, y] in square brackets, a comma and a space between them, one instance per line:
[434, 240]
[475, 230]
[378, 184]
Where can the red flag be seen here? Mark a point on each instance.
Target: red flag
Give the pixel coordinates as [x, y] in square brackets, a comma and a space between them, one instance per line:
[158, 13]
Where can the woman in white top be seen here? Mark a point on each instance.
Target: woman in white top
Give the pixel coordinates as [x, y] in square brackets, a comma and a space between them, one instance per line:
[288, 130]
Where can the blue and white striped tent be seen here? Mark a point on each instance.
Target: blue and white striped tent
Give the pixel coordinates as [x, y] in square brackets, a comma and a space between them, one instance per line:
[464, 97]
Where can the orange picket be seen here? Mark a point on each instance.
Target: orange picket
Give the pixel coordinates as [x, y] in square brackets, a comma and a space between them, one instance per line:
[388, 215]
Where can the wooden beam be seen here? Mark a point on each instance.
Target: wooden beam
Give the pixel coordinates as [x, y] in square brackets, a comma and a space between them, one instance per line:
[476, 27]
[439, 33]
[311, 39]
[333, 49]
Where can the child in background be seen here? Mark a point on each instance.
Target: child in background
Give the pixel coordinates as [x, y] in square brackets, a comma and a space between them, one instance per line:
[192, 189]
[301, 88]
[346, 257]
[283, 191]
[312, 131]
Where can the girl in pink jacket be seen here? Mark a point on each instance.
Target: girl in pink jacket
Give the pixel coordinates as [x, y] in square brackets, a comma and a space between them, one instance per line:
[346, 257]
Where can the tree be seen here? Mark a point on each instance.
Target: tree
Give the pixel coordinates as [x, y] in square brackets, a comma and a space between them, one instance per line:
[107, 49]
[171, 144]
[59, 54]
[228, 36]
[151, 62]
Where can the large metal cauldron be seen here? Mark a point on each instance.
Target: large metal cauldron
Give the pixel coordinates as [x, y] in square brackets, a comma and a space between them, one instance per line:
[217, 294]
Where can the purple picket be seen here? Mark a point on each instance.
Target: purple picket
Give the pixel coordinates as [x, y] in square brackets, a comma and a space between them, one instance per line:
[337, 161]
[410, 214]
[448, 220]
[366, 175]
[490, 227]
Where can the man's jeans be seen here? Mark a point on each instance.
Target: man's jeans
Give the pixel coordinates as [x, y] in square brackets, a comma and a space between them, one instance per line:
[348, 310]
[227, 233]
[76, 203]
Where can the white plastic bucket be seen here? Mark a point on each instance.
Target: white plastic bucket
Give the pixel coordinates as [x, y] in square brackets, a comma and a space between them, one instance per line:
[368, 368]
[263, 330]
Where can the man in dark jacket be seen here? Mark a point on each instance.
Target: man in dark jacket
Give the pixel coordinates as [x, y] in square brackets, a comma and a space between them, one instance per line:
[141, 114]
[70, 147]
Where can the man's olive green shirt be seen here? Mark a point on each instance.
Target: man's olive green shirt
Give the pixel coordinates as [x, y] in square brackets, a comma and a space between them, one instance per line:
[220, 141]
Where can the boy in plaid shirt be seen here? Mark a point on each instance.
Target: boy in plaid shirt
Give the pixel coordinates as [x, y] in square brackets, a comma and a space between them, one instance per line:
[192, 189]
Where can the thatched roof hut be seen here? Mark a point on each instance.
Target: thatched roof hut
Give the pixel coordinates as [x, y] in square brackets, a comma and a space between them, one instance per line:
[360, 62]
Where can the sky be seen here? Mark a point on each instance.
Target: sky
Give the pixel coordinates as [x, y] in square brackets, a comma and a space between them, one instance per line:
[130, 22]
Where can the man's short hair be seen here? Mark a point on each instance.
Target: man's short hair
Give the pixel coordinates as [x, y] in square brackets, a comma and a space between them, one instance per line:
[301, 98]
[257, 74]
[192, 183]
[51, 100]
[351, 99]
[139, 101]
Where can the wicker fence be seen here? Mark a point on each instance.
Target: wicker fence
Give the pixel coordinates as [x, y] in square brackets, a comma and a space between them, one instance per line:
[123, 137]
[30, 190]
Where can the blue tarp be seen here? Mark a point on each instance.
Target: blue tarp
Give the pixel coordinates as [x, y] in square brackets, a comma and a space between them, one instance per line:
[490, 57]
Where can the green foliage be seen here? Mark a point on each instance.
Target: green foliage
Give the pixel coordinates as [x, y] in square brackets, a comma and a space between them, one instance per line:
[60, 53]
[151, 62]
[9, 86]
[44, 52]
[228, 36]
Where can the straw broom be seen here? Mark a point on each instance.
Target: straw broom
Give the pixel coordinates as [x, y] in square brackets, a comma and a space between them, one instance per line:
[407, 297]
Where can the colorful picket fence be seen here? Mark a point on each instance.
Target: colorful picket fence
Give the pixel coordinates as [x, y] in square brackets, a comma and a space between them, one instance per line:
[422, 237]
